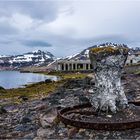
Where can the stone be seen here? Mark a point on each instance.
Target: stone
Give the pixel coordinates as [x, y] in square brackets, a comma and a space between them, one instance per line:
[23, 98]
[45, 133]
[108, 61]
[83, 99]
[72, 132]
[138, 138]
[2, 110]
[92, 82]
[109, 116]
[82, 132]
[24, 127]
[29, 136]
[49, 118]
[62, 131]
[11, 108]
[2, 88]
[37, 138]
[48, 81]
[39, 107]
[25, 120]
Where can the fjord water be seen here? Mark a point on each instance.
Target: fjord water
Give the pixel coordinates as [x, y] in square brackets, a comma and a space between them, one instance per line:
[15, 79]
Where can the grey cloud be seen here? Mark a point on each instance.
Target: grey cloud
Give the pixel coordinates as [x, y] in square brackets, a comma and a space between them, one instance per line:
[5, 42]
[69, 46]
[7, 29]
[36, 43]
[47, 10]
[87, 41]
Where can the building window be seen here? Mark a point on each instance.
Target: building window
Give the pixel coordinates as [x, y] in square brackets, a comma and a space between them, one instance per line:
[66, 66]
[91, 67]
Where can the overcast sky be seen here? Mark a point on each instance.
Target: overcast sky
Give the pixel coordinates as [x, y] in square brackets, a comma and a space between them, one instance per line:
[65, 27]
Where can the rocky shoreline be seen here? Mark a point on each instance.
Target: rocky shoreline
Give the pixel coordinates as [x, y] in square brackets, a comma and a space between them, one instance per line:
[37, 118]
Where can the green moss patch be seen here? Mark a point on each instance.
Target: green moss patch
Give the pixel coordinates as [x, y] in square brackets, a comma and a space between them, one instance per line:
[32, 90]
[137, 72]
[107, 49]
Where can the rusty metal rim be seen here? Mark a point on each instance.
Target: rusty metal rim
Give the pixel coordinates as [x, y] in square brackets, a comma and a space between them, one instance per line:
[95, 125]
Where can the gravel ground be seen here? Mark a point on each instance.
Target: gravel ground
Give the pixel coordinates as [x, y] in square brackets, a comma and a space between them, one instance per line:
[37, 119]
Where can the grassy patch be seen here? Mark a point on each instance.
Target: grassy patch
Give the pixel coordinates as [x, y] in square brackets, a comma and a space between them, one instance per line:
[31, 90]
[131, 65]
[66, 75]
[137, 72]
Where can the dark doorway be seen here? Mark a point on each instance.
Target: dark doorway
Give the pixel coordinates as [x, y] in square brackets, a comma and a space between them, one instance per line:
[62, 67]
[86, 66]
[131, 61]
[91, 67]
[74, 67]
[66, 66]
[70, 66]
[79, 66]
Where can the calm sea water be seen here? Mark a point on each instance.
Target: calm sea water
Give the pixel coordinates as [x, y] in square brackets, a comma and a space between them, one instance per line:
[14, 79]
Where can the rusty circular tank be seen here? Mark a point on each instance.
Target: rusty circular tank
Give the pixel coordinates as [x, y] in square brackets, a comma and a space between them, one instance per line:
[94, 123]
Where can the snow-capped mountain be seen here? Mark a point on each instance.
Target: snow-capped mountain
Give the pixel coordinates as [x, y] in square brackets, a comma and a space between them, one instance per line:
[35, 56]
[31, 58]
[83, 55]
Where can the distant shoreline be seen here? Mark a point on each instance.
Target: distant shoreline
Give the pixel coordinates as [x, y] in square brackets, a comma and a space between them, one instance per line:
[16, 79]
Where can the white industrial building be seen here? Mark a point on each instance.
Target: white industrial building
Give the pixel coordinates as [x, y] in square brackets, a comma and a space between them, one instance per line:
[85, 65]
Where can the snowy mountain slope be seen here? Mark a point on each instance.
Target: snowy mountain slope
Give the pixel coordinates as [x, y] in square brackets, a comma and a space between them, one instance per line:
[35, 56]
[31, 58]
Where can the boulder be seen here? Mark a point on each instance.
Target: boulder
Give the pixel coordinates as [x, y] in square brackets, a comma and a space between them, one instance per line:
[49, 118]
[2, 110]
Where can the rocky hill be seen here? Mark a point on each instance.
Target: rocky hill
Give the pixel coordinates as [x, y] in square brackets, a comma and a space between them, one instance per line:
[35, 58]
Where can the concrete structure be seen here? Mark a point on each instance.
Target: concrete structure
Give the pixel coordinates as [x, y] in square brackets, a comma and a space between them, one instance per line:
[85, 65]
[73, 65]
